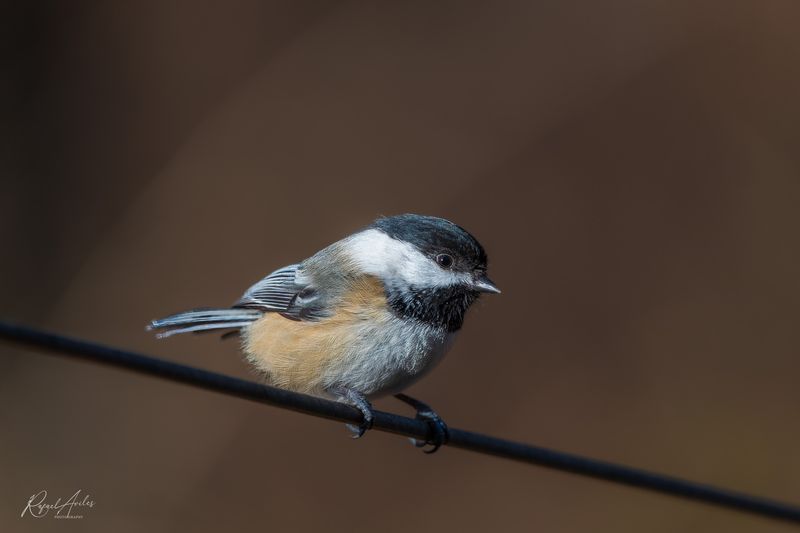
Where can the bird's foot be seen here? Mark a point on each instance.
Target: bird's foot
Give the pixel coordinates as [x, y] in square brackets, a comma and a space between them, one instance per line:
[360, 402]
[439, 432]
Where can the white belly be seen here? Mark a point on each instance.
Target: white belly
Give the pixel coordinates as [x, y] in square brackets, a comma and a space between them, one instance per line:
[388, 356]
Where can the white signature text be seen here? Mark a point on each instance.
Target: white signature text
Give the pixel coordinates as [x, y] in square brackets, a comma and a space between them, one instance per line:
[38, 507]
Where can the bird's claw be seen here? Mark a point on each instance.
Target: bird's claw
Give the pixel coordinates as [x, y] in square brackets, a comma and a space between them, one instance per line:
[439, 434]
[360, 402]
[438, 428]
[359, 430]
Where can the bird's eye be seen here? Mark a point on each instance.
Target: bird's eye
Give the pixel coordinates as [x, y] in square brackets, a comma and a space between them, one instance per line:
[444, 260]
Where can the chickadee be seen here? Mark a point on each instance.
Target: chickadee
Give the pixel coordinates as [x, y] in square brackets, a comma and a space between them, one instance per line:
[365, 317]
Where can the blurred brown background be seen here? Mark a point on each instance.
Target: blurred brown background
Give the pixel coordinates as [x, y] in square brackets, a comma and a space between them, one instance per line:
[631, 167]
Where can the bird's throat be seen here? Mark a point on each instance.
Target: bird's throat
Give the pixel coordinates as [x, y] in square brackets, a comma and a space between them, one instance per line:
[441, 307]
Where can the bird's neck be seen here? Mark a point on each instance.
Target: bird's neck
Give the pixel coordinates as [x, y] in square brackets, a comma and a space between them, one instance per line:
[440, 307]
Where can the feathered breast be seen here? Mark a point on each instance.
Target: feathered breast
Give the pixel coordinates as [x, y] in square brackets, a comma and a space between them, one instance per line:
[302, 355]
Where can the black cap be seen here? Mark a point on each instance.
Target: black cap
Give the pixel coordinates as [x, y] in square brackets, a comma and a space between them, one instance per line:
[433, 235]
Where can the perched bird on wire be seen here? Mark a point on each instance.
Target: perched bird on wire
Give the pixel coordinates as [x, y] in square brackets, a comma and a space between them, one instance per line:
[362, 318]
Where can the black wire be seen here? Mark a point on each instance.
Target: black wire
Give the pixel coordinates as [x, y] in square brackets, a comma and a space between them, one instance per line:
[397, 424]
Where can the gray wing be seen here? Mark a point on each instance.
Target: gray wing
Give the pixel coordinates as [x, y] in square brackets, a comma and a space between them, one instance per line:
[286, 291]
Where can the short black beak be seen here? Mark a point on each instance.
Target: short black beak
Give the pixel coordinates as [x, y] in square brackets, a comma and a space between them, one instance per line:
[484, 284]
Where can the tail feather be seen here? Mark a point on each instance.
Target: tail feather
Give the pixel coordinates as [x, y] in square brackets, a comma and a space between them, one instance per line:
[199, 320]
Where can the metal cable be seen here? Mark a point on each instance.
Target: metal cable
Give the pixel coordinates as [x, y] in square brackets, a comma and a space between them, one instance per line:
[400, 425]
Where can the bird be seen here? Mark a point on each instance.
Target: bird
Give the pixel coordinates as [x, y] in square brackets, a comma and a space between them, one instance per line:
[364, 317]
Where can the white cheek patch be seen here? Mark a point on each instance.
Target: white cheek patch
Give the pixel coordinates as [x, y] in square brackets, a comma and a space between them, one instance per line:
[391, 260]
